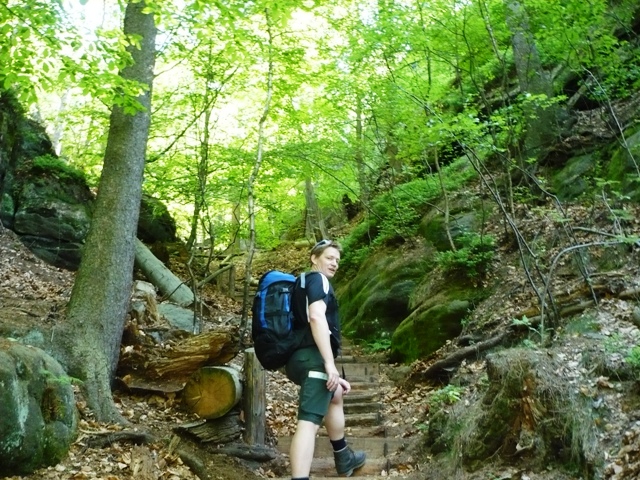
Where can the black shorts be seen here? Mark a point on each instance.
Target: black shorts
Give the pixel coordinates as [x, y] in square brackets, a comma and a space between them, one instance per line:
[314, 400]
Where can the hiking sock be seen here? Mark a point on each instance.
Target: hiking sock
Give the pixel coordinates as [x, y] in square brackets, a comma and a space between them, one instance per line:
[338, 444]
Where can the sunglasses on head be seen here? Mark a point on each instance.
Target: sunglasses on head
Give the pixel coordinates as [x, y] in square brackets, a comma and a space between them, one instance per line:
[322, 243]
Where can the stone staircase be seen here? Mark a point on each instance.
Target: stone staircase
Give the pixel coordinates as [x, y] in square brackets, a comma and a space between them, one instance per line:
[364, 423]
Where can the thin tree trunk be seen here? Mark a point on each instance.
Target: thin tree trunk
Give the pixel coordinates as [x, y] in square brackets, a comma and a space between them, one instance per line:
[360, 164]
[445, 196]
[315, 229]
[532, 79]
[254, 176]
[100, 297]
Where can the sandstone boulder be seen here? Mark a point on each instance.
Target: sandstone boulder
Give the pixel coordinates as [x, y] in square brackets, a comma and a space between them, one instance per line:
[38, 416]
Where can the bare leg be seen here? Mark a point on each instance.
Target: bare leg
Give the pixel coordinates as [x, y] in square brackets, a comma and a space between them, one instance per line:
[334, 420]
[302, 446]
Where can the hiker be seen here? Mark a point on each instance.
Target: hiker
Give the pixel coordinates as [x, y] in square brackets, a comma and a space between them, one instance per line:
[313, 367]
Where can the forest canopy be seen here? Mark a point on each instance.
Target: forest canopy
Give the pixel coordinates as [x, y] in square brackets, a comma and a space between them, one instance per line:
[365, 94]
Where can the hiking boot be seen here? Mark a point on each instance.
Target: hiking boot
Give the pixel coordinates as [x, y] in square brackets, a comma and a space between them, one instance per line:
[347, 461]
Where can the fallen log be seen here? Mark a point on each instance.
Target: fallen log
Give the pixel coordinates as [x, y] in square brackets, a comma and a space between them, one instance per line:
[157, 273]
[211, 392]
[220, 430]
[444, 366]
[258, 453]
[167, 367]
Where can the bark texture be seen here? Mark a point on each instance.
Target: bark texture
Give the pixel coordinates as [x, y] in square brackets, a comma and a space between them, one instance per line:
[100, 296]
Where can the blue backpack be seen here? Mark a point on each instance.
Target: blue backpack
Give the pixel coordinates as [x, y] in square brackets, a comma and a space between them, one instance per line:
[272, 327]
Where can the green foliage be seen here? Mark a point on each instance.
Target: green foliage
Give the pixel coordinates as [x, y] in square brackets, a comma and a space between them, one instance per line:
[447, 395]
[396, 214]
[378, 345]
[633, 360]
[60, 379]
[399, 210]
[539, 332]
[472, 259]
[50, 165]
[357, 247]
[614, 344]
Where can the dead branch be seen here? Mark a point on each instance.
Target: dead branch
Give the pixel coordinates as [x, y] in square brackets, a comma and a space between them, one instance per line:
[213, 275]
[436, 369]
[105, 439]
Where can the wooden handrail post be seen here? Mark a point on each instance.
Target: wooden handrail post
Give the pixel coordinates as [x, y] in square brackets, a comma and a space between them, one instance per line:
[255, 399]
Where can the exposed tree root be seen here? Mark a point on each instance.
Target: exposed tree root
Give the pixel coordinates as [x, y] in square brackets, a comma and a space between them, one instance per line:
[442, 367]
[190, 459]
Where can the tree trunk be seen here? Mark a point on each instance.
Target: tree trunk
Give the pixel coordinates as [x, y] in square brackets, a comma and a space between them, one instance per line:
[315, 229]
[254, 175]
[359, 156]
[532, 79]
[212, 392]
[100, 297]
[157, 273]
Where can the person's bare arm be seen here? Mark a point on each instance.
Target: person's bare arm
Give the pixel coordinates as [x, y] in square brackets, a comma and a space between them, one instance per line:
[322, 337]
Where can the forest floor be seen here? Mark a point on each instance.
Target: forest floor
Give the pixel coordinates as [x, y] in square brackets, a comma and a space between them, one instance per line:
[32, 292]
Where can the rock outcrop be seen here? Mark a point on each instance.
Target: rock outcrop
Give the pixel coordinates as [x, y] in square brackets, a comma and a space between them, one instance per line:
[48, 202]
[38, 417]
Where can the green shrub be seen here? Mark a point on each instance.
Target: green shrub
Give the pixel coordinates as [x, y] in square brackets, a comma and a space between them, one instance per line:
[633, 360]
[472, 259]
[445, 396]
[357, 247]
[377, 346]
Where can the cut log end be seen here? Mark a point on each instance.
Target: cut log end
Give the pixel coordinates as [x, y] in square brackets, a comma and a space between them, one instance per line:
[211, 392]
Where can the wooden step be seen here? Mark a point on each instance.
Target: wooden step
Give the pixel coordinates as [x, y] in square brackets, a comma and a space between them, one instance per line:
[374, 447]
[359, 385]
[361, 396]
[326, 466]
[362, 419]
[373, 431]
[361, 407]
[359, 369]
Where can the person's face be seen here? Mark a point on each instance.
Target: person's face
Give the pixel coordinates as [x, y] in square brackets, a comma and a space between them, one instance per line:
[327, 261]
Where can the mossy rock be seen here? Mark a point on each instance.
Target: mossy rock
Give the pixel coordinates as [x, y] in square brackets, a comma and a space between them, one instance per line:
[527, 413]
[38, 417]
[51, 209]
[465, 216]
[571, 181]
[623, 167]
[429, 327]
[155, 224]
[377, 299]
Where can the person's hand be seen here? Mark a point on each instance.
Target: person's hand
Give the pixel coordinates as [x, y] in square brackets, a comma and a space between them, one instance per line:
[334, 377]
[346, 386]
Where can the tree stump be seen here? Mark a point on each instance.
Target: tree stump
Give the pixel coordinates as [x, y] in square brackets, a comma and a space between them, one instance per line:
[211, 392]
